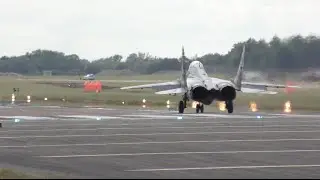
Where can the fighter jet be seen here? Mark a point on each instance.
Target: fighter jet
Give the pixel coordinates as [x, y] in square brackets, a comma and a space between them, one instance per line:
[195, 84]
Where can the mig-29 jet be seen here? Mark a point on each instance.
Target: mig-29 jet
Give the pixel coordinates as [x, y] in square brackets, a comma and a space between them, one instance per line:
[195, 84]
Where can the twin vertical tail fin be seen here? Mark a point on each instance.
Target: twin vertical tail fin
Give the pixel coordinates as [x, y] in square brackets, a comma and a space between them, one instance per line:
[238, 79]
[183, 71]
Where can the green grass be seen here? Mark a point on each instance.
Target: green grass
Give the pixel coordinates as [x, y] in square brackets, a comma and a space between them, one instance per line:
[11, 174]
[301, 99]
[7, 173]
[169, 76]
[162, 76]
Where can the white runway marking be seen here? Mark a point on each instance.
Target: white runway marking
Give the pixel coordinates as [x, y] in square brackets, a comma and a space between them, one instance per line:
[144, 117]
[166, 123]
[89, 117]
[151, 116]
[230, 116]
[151, 134]
[154, 142]
[179, 153]
[32, 119]
[150, 110]
[229, 167]
[100, 108]
[234, 116]
[74, 124]
[153, 127]
[6, 107]
[37, 106]
[196, 115]
[27, 117]
[299, 115]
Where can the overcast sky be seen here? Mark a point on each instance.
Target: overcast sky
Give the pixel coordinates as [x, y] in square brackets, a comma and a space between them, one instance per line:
[101, 28]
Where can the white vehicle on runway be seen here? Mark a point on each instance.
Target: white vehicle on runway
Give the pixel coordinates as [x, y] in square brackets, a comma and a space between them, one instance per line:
[196, 85]
[89, 77]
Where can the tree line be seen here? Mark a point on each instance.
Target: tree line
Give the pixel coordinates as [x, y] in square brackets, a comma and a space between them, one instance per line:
[292, 53]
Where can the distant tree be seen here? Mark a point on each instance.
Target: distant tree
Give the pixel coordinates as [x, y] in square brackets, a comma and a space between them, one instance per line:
[291, 53]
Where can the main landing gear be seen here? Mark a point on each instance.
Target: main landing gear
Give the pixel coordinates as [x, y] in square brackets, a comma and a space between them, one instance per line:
[199, 108]
[183, 104]
[181, 107]
[229, 106]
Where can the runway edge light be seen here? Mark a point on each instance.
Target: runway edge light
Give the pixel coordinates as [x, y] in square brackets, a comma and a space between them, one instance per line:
[253, 106]
[287, 107]
[143, 103]
[28, 99]
[13, 98]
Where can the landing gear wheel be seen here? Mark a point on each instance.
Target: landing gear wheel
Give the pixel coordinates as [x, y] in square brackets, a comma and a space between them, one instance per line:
[229, 106]
[185, 98]
[181, 107]
[199, 108]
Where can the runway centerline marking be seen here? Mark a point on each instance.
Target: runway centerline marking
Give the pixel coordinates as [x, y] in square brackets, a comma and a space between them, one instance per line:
[103, 123]
[154, 127]
[160, 142]
[169, 116]
[178, 153]
[227, 167]
[53, 119]
[151, 134]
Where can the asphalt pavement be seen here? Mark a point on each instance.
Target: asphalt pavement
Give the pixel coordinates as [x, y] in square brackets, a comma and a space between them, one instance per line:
[120, 143]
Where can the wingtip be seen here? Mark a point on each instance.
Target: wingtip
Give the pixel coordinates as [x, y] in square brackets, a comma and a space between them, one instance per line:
[295, 87]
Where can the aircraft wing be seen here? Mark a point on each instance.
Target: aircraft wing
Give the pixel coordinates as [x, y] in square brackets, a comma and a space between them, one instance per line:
[257, 91]
[171, 87]
[154, 85]
[260, 88]
[172, 91]
[266, 85]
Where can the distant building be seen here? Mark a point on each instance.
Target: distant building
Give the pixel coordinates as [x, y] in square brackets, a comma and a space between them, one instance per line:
[313, 75]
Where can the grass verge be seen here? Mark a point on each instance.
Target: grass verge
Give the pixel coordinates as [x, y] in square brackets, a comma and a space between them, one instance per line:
[12, 174]
[60, 93]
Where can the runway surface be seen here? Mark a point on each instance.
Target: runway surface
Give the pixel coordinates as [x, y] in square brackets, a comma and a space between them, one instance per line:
[119, 143]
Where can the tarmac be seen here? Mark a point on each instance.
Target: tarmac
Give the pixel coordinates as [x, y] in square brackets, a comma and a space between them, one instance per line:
[129, 143]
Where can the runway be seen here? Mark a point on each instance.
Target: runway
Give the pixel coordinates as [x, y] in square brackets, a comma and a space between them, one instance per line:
[120, 143]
